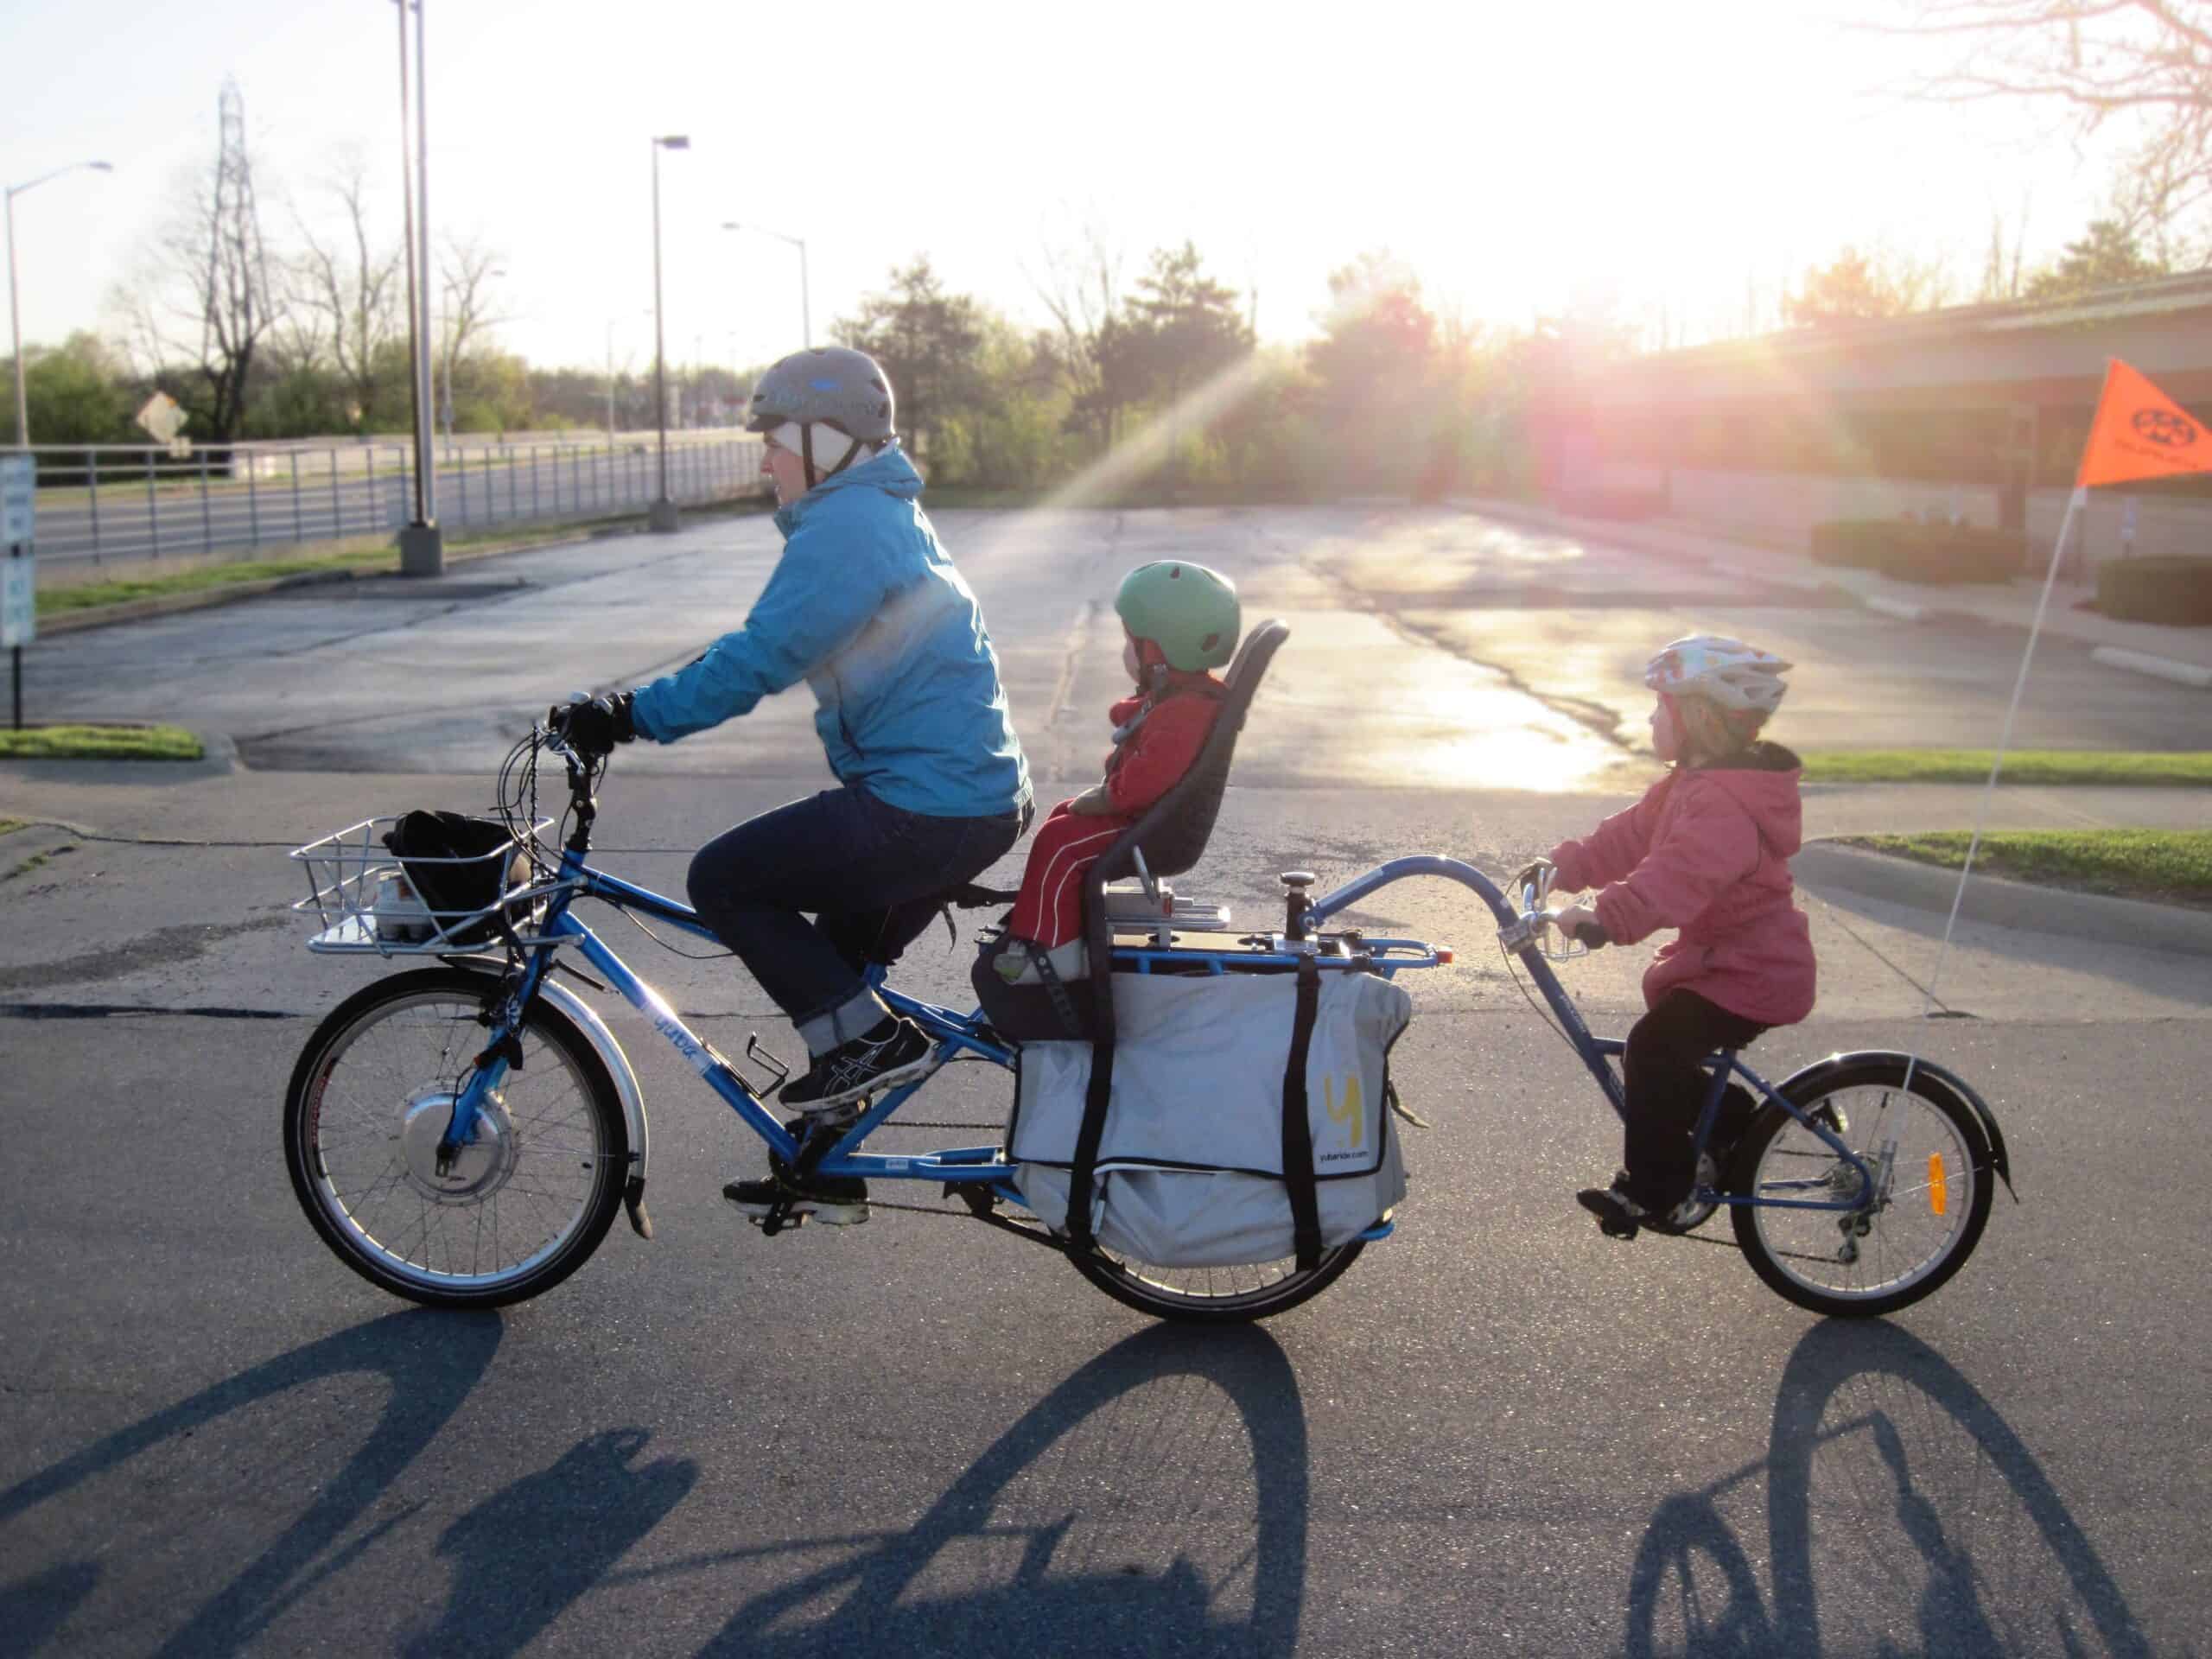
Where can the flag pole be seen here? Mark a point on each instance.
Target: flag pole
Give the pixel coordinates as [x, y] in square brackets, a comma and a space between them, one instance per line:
[2074, 503]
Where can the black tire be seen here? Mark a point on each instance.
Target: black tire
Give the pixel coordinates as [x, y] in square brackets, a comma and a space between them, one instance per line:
[1197, 1296]
[1911, 1257]
[591, 1168]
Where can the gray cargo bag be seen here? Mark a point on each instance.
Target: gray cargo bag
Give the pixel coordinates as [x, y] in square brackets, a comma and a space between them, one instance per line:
[1215, 1143]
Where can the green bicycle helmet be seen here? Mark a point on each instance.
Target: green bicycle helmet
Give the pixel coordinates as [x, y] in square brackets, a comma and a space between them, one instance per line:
[1189, 611]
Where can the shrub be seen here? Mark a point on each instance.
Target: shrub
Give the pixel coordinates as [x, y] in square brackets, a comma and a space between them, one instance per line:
[1912, 551]
[2173, 588]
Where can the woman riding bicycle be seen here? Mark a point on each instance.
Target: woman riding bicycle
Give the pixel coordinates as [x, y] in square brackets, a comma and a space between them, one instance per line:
[932, 789]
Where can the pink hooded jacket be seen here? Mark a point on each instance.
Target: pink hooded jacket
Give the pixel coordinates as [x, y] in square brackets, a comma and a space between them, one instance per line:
[1708, 851]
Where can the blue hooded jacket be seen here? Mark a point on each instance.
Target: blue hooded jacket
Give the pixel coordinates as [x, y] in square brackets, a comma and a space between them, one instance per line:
[865, 607]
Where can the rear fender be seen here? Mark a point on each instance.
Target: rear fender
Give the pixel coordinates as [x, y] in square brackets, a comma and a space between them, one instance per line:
[1817, 1078]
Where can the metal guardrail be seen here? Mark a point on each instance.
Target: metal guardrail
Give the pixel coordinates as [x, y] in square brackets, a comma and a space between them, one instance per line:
[130, 503]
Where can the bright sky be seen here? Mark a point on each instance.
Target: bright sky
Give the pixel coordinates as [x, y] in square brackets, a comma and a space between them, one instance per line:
[1518, 157]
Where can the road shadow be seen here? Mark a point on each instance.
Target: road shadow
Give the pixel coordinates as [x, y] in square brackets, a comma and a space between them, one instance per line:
[1098, 1431]
[431, 1361]
[522, 1556]
[1895, 1493]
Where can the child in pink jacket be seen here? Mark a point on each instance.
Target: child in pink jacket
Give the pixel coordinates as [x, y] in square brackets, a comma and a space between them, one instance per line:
[1707, 850]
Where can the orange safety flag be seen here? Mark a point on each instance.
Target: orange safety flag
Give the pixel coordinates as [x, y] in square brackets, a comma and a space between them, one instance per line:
[2139, 432]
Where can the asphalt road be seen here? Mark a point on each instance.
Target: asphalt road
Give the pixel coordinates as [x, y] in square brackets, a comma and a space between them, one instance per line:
[1499, 1434]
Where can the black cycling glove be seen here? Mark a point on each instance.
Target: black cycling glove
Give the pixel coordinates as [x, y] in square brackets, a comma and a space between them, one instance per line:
[594, 728]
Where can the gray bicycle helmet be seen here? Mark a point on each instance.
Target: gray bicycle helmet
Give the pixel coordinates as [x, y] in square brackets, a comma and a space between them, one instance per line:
[834, 384]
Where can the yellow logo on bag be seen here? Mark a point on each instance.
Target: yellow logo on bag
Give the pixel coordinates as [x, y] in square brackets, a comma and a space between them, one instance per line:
[1353, 1112]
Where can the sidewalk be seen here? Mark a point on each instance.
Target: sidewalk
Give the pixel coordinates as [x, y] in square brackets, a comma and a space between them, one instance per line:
[2183, 655]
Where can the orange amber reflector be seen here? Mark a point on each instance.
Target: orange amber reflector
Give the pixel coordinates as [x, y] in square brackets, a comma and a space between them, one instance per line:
[1939, 1189]
[1443, 953]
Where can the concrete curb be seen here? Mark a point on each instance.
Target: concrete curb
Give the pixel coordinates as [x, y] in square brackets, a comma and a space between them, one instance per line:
[2161, 668]
[1628, 533]
[1822, 866]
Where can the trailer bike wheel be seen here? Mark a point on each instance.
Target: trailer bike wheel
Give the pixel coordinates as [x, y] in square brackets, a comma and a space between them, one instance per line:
[1233, 1295]
[520, 1208]
[1932, 1165]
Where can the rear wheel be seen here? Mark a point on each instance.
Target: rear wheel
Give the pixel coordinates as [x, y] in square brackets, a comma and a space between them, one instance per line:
[520, 1208]
[1213, 1295]
[1933, 1178]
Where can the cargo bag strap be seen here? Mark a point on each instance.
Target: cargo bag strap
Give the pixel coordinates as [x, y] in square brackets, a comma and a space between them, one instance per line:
[1087, 1140]
[1298, 1126]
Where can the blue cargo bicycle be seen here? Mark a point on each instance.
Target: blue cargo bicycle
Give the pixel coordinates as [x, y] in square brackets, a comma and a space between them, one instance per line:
[463, 1134]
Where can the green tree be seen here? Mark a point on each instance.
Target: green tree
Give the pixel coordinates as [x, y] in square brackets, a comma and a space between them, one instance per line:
[2104, 254]
[77, 394]
[1184, 327]
[1376, 368]
[928, 342]
[1858, 287]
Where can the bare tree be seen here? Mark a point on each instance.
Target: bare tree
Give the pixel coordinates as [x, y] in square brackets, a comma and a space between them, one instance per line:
[2139, 67]
[467, 269]
[203, 304]
[347, 290]
[1080, 287]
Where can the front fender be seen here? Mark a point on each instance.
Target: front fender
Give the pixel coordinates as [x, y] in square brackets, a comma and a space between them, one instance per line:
[1939, 1080]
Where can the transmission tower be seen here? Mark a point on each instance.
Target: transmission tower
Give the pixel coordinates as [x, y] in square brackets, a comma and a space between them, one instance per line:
[239, 285]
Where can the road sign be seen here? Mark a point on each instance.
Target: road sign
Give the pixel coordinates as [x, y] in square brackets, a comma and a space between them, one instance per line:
[162, 418]
[18, 599]
[18, 498]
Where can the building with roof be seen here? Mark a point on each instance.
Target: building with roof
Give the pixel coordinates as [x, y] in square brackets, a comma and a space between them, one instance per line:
[1976, 412]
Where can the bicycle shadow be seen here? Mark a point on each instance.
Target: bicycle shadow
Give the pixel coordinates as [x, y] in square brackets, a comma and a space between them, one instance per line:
[1903, 1445]
[523, 1555]
[886, 1599]
[431, 1361]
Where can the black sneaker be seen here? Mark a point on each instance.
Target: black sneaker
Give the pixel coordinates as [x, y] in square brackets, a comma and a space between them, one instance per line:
[1618, 1216]
[897, 1051]
[838, 1200]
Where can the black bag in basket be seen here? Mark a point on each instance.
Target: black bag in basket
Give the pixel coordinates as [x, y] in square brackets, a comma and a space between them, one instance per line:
[421, 837]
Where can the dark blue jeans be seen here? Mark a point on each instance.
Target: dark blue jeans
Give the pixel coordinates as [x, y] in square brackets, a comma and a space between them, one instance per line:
[867, 871]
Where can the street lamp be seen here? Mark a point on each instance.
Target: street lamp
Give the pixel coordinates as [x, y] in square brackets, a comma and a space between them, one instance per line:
[422, 542]
[663, 516]
[14, 300]
[805, 301]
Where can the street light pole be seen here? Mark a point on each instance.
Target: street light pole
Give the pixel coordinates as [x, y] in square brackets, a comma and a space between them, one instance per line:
[805, 288]
[15, 296]
[663, 516]
[421, 543]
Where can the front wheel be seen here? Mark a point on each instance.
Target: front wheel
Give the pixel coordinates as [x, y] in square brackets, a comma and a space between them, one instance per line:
[1933, 1175]
[519, 1209]
[1212, 1295]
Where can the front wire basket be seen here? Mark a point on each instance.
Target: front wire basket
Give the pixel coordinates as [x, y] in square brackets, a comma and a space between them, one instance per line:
[365, 902]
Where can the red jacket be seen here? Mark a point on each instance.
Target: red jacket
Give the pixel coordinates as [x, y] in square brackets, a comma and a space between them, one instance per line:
[1152, 760]
[1707, 850]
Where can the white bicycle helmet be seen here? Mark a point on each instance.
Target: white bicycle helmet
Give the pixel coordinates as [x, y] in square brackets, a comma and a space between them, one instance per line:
[1730, 672]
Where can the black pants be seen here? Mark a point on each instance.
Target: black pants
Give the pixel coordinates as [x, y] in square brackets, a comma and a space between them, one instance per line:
[869, 873]
[1666, 1092]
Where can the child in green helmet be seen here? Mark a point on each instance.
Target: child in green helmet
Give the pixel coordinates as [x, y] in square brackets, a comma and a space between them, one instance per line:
[1179, 621]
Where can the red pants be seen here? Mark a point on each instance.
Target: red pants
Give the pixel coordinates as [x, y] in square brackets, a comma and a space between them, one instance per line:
[1049, 910]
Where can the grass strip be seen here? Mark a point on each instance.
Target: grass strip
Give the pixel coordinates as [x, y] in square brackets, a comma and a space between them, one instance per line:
[9, 826]
[2185, 768]
[2164, 866]
[366, 555]
[99, 743]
